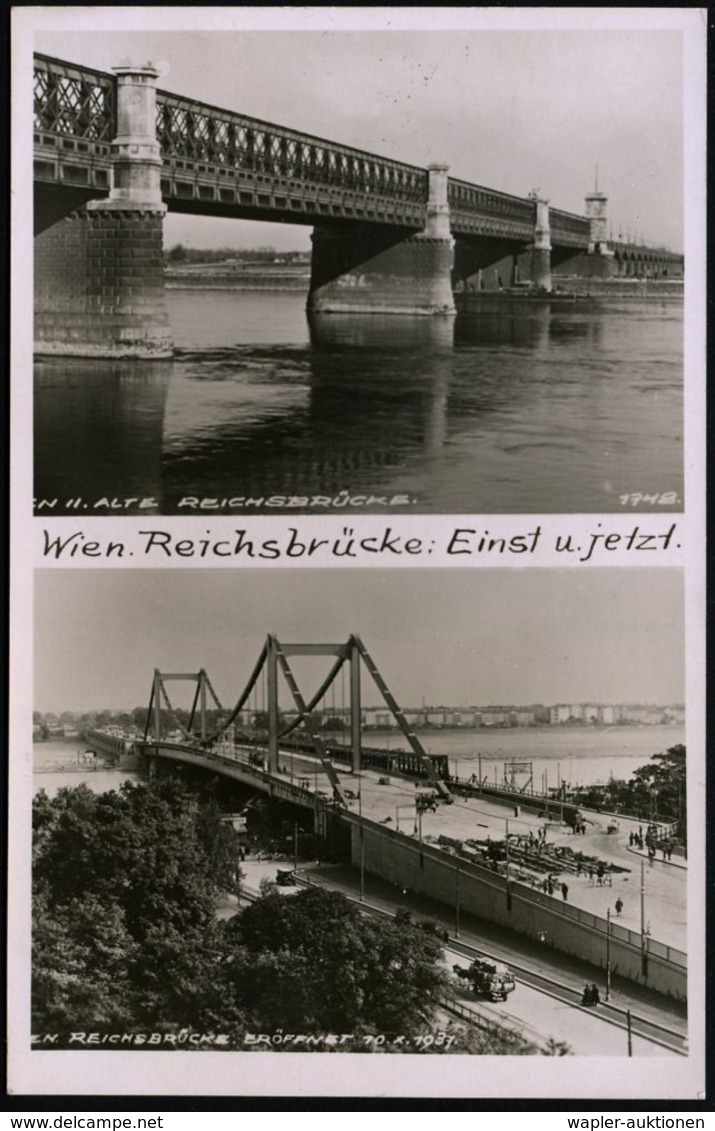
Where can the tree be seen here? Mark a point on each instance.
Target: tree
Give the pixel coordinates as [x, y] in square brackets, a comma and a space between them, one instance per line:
[311, 962]
[125, 888]
[82, 960]
[654, 790]
[139, 717]
[334, 723]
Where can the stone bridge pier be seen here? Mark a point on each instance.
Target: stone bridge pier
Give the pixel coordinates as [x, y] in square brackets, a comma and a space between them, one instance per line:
[489, 262]
[364, 269]
[99, 272]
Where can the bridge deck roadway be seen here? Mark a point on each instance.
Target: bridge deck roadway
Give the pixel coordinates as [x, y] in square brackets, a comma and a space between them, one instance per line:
[394, 805]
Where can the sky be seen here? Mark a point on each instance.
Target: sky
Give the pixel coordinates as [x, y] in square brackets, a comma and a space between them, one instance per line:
[467, 637]
[509, 109]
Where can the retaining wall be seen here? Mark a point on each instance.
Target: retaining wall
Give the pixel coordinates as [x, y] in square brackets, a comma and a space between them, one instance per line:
[442, 876]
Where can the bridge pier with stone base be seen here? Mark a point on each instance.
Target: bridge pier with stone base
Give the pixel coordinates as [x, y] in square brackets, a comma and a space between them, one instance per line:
[361, 269]
[99, 272]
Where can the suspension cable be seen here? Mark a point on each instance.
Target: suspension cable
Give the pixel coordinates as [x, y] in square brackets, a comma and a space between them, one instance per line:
[259, 666]
[332, 674]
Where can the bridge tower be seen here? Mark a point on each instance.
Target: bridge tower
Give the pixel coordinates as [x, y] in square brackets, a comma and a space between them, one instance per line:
[596, 212]
[277, 655]
[541, 249]
[99, 272]
[366, 269]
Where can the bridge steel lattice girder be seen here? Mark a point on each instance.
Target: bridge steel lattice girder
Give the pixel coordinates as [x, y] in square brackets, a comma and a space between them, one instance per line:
[224, 163]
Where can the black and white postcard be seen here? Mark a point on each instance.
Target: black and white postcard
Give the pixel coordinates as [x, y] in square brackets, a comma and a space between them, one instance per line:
[357, 621]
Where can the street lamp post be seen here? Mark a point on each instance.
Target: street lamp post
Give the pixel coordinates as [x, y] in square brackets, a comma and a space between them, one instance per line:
[456, 905]
[362, 848]
[608, 953]
[644, 934]
[508, 887]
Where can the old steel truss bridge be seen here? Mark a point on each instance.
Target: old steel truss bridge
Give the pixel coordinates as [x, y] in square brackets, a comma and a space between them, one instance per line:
[218, 162]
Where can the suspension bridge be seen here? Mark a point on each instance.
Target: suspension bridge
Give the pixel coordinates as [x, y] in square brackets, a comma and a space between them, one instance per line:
[210, 739]
[369, 804]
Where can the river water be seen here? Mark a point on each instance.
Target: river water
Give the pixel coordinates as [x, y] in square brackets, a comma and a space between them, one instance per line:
[526, 409]
[58, 764]
[578, 756]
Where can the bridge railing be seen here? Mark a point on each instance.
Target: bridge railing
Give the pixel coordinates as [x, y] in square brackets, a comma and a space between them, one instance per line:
[569, 229]
[232, 758]
[475, 198]
[76, 102]
[198, 132]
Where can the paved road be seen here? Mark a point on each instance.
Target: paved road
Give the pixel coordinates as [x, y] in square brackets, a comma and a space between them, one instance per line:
[538, 1017]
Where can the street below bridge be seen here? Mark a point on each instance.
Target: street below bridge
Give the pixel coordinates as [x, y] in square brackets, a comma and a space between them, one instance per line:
[539, 1014]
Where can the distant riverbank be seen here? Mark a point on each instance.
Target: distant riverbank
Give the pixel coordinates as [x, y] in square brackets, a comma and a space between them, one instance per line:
[238, 277]
[273, 278]
[621, 288]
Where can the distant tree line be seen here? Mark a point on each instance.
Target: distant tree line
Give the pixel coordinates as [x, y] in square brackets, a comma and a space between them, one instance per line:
[179, 253]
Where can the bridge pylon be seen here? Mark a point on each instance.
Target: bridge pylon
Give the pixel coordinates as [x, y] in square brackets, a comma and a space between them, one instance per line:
[353, 652]
[159, 700]
[274, 661]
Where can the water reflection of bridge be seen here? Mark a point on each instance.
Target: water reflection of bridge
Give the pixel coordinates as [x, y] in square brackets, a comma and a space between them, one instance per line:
[257, 422]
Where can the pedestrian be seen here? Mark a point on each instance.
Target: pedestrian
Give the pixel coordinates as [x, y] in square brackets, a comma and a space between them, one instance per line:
[565, 891]
[595, 996]
[630, 839]
[590, 874]
[550, 888]
[586, 995]
[619, 905]
[600, 873]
